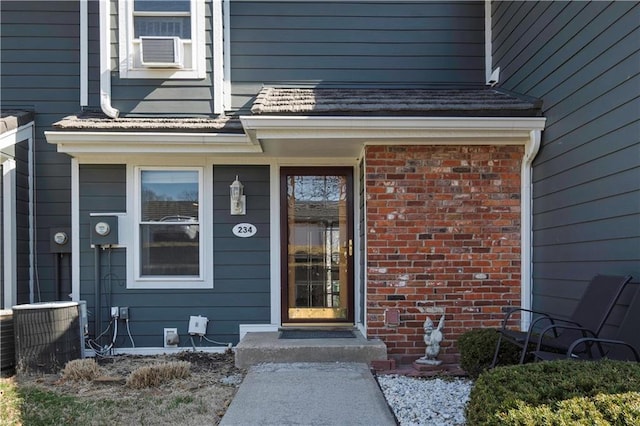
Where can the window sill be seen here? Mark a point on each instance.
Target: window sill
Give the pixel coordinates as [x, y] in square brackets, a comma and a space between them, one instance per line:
[163, 73]
[185, 284]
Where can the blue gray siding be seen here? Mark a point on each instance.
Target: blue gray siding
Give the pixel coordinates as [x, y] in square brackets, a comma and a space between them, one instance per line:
[241, 292]
[39, 56]
[349, 43]
[22, 220]
[354, 43]
[583, 60]
[102, 190]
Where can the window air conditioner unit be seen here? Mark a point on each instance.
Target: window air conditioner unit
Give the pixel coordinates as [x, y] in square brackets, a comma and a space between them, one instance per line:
[161, 52]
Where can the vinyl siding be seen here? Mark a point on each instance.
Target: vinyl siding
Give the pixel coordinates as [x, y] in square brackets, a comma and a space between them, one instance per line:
[102, 190]
[39, 56]
[22, 220]
[240, 293]
[404, 44]
[583, 60]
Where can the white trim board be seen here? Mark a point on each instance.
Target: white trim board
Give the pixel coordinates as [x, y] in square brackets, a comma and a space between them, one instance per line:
[159, 350]
[82, 143]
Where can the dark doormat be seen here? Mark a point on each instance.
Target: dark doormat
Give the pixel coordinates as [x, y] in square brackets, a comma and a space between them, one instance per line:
[317, 334]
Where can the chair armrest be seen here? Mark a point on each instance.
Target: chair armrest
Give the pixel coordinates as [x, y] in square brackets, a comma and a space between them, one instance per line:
[600, 341]
[518, 309]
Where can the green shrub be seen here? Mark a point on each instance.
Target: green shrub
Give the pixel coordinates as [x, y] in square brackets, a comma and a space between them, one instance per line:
[477, 348]
[561, 392]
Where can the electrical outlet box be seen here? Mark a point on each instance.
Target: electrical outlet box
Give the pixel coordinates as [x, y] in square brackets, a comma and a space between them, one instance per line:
[124, 313]
[171, 338]
[115, 311]
[198, 325]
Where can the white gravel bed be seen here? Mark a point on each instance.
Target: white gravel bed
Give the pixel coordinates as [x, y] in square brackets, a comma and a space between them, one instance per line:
[426, 401]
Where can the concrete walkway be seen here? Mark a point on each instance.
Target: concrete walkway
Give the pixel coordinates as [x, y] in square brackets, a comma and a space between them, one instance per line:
[309, 394]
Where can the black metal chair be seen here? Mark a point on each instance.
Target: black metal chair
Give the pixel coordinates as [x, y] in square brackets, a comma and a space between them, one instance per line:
[625, 346]
[587, 319]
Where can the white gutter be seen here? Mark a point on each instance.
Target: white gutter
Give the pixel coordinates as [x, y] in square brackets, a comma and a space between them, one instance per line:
[217, 65]
[105, 59]
[79, 143]
[75, 230]
[385, 130]
[84, 62]
[526, 234]
[9, 235]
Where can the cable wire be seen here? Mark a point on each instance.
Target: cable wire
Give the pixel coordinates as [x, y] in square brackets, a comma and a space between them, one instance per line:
[215, 342]
[133, 345]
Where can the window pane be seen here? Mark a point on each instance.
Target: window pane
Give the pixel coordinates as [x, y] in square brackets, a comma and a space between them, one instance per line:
[165, 26]
[161, 5]
[170, 250]
[169, 196]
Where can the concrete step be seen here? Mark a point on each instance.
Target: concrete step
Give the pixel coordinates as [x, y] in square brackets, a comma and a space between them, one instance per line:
[267, 347]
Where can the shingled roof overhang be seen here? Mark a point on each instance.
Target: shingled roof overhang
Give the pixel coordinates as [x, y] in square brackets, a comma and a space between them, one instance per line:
[317, 122]
[94, 133]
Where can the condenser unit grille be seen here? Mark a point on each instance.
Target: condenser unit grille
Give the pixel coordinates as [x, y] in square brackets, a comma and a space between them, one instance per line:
[47, 336]
[161, 52]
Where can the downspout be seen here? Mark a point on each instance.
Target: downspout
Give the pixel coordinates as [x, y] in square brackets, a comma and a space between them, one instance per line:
[526, 235]
[84, 54]
[105, 59]
[488, 47]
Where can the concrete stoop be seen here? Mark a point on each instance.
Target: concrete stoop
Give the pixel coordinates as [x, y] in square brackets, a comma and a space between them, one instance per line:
[266, 347]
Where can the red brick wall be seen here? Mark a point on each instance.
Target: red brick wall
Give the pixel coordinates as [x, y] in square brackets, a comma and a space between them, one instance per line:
[443, 234]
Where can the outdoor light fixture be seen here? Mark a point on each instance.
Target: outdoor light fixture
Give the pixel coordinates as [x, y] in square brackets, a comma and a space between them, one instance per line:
[238, 199]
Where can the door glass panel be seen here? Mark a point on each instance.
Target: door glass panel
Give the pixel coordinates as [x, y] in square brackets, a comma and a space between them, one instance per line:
[317, 247]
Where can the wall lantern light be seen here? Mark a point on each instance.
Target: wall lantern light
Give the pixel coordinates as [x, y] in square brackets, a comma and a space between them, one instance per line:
[238, 199]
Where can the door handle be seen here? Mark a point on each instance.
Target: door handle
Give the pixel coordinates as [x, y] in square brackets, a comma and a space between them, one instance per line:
[350, 247]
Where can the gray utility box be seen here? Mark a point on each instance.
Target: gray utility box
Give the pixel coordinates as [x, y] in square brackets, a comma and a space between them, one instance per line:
[104, 230]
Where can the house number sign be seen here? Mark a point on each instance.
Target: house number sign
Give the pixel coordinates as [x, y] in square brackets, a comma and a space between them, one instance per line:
[244, 230]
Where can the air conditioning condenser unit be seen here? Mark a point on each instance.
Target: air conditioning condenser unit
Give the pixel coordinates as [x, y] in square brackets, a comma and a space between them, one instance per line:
[161, 52]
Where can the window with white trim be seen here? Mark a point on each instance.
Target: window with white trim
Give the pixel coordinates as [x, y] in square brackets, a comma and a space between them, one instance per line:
[167, 235]
[162, 39]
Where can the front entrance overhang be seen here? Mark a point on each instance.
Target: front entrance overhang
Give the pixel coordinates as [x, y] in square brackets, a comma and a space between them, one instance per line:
[345, 137]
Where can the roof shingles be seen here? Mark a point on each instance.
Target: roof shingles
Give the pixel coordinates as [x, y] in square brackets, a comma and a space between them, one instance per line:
[481, 102]
[393, 102]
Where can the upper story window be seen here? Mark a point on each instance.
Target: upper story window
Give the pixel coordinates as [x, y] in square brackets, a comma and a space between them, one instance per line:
[162, 39]
[153, 18]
